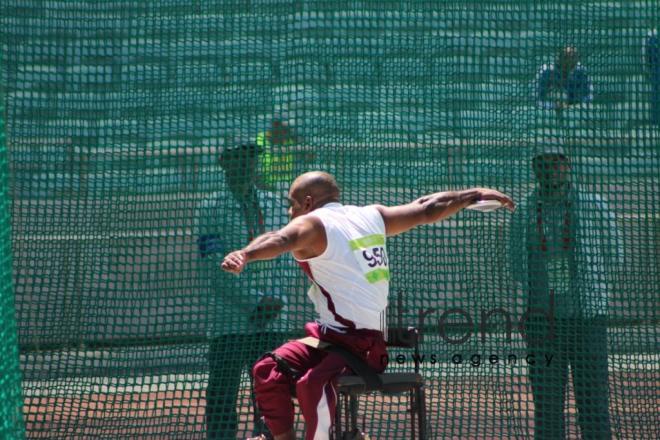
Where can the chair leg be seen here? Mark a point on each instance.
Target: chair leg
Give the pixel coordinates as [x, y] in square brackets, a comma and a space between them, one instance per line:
[347, 415]
[413, 410]
[338, 409]
[421, 407]
[349, 405]
[354, 411]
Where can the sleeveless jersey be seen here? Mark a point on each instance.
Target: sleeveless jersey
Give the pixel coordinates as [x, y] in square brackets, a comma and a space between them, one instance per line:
[351, 278]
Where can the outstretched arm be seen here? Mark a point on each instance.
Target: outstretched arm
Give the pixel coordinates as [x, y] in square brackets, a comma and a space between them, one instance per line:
[435, 207]
[304, 234]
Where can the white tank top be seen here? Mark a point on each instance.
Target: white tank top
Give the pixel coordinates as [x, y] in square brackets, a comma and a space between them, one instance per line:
[351, 278]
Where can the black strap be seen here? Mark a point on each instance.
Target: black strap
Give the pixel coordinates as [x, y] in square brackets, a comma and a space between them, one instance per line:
[284, 366]
[358, 366]
[355, 363]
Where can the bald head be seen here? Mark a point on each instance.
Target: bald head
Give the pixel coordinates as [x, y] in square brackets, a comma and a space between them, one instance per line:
[311, 191]
[319, 185]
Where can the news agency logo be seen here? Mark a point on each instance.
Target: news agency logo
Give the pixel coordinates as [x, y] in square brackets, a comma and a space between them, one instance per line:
[531, 314]
[472, 359]
[541, 319]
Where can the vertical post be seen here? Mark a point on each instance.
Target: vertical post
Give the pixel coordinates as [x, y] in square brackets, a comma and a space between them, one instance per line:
[11, 420]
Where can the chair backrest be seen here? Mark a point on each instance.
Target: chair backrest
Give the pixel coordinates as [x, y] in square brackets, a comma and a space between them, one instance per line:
[405, 337]
[400, 335]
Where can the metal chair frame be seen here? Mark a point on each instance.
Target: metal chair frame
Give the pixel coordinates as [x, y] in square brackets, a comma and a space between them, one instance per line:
[351, 387]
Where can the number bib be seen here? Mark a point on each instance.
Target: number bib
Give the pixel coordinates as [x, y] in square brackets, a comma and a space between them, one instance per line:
[371, 255]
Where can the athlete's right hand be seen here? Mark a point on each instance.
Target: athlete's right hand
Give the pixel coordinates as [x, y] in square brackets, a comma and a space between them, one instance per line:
[234, 262]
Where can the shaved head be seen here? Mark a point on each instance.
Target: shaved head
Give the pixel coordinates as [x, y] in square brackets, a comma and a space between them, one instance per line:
[317, 184]
[312, 190]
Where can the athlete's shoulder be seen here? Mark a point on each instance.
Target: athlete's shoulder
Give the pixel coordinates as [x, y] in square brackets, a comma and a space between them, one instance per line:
[375, 208]
[311, 219]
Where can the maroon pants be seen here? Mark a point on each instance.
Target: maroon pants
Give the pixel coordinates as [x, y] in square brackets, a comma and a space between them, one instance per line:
[314, 382]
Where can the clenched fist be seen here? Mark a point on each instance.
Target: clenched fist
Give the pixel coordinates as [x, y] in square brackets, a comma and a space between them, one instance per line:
[234, 262]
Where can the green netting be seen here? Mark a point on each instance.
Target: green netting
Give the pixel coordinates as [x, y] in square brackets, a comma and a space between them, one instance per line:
[118, 112]
[11, 423]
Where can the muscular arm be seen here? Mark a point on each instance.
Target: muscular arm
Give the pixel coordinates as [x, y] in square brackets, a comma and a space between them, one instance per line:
[435, 207]
[304, 235]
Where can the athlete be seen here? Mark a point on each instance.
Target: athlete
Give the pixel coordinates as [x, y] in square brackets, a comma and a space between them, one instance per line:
[343, 251]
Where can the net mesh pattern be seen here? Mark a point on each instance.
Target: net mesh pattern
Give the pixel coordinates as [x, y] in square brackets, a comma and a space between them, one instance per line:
[146, 139]
[11, 423]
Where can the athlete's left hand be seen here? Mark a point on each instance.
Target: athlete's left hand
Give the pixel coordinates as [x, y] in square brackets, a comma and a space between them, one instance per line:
[234, 262]
[491, 194]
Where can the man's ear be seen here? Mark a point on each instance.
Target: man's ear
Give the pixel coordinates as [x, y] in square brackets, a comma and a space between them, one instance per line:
[308, 202]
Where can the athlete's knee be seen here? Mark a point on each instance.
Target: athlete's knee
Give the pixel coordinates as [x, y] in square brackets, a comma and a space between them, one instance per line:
[303, 388]
[315, 378]
[309, 385]
[263, 369]
[273, 369]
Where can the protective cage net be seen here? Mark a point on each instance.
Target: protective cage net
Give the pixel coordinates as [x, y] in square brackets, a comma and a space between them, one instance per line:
[148, 138]
[10, 381]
